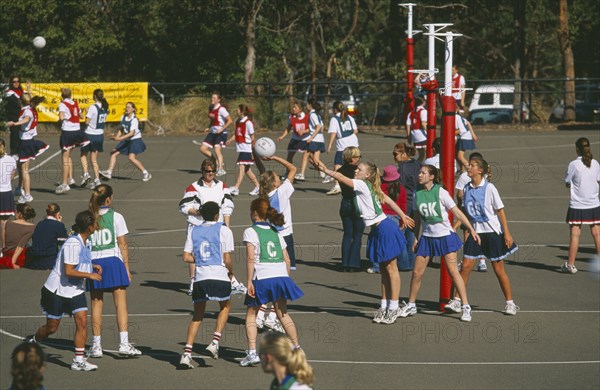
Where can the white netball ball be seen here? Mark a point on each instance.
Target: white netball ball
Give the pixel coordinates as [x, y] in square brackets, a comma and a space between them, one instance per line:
[264, 147]
[39, 42]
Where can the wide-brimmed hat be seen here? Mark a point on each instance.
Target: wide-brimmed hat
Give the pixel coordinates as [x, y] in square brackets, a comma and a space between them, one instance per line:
[390, 173]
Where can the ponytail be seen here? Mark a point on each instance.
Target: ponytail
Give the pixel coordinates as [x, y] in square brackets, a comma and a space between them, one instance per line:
[298, 367]
[52, 209]
[274, 217]
[585, 151]
[279, 346]
[375, 179]
[99, 97]
[339, 107]
[264, 211]
[267, 183]
[99, 196]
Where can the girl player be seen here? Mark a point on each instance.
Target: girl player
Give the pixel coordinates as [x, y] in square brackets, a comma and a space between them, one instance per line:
[268, 274]
[95, 120]
[130, 143]
[298, 125]
[279, 193]
[244, 139]
[64, 292]
[29, 148]
[217, 138]
[485, 211]
[209, 247]
[385, 240]
[8, 167]
[583, 175]
[342, 129]
[110, 250]
[466, 139]
[315, 142]
[437, 239]
[288, 364]
[71, 136]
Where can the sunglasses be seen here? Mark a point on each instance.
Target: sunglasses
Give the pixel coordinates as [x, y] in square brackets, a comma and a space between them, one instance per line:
[209, 171]
[16, 81]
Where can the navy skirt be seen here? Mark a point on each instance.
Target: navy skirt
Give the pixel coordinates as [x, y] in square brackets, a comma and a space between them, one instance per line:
[7, 204]
[492, 247]
[316, 147]
[438, 246]
[135, 146]
[465, 144]
[214, 139]
[114, 274]
[272, 289]
[386, 242]
[29, 149]
[73, 139]
[211, 290]
[297, 145]
[96, 143]
[583, 216]
[245, 158]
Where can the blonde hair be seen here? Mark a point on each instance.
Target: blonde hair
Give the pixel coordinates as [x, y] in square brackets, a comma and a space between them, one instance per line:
[2, 147]
[280, 347]
[349, 153]
[375, 179]
[267, 183]
[98, 198]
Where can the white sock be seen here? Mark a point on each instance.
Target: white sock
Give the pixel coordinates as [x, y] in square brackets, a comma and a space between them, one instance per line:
[412, 304]
[457, 299]
[97, 340]
[252, 352]
[466, 306]
[393, 305]
[511, 302]
[234, 282]
[272, 316]
[145, 172]
[384, 304]
[124, 336]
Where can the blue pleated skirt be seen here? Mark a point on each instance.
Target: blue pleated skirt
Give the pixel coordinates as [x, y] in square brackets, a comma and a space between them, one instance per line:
[114, 274]
[385, 242]
[272, 289]
[438, 246]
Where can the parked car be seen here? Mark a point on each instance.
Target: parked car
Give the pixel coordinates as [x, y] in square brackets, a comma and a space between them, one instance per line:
[338, 91]
[493, 103]
[587, 105]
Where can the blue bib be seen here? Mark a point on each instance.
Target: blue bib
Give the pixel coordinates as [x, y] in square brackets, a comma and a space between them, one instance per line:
[274, 202]
[206, 240]
[346, 129]
[101, 117]
[474, 202]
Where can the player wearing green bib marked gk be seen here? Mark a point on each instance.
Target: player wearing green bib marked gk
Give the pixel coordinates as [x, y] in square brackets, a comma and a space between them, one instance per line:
[109, 250]
[431, 206]
[268, 274]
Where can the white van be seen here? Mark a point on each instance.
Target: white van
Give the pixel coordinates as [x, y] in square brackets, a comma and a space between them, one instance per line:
[493, 103]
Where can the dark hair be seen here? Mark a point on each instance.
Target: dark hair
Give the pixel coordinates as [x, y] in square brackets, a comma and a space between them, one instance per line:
[2, 147]
[99, 97]
[485, 167]
[132, 105]
[264, 211]
[339, 107]
[210, 211]
[584, 150]
[83, 220]
[208, 163]
[393, 189]
[32, 101]
[27, 363]
[419, 100]
[26, 210]
[52, 209]
[245, 110]
[402, 147]
[475, 155]
[437, 145]
[433, 171]
[98, 198]
[66, 93]
[314, 104]
[13, 77]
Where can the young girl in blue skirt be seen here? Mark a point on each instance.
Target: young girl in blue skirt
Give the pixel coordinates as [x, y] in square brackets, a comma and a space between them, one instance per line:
[268, 274]
[110, 250]
[437, 239]
[386, 242]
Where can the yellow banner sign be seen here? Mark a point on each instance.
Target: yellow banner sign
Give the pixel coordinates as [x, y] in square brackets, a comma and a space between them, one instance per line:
[117, 95]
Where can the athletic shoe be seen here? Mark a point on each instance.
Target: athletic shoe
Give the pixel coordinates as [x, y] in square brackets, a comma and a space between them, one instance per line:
[106, 175]
[454, 305]
[407, 311]
[260, 322]
[372, 271]
[466, 314]
[327, 179]
[511, 309]
[62, 189]
[213, 349]
[250, 360]
[94, 184]
[85, 179]
[221, 172]
[293, 268]
[127, 349]
[234, 191]
[95, 351]
[274, 324]
[391, 316]
[239, 289]
[25, 198]
[299, 177]
[83, 366]
[379, 315]
[186, 361]
[147, 176]
[482, 267]
[254, 192]
[568, 269]
[334, 190]
[71, 181]
[30, 339]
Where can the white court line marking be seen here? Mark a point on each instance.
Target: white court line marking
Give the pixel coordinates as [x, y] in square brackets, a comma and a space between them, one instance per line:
[455, 363]
[362, 246]
[44, 162]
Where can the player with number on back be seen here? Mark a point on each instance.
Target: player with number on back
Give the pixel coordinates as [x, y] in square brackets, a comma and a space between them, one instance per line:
[95, 120]
[298, 125]
[342, 129]
[244, 139]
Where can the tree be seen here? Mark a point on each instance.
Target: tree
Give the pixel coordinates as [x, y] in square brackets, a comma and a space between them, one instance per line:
[564, 40]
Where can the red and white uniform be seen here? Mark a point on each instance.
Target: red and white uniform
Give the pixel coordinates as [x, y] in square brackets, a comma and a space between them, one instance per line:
[244, 130]
[71, 110]
[29, 129]
[218, 116]
[419, 134]
[458, 82]
[299, 126]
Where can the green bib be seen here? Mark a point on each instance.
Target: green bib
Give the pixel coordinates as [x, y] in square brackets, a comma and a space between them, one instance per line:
[104, 237]
[376, 202]
[270, 247]
[428, 204]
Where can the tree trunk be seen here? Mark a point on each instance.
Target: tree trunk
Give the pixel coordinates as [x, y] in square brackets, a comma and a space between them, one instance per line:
[313, 48]
[519, 7]
[250, 60]
[564, 40]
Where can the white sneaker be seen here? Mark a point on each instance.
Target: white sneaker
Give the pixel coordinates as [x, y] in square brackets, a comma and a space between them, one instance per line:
[71, 181]
[94, 184]
[186, 361]
[391, 316]
[327, 179]
[408, 311]
[239, 289]
[95, 351]
[62, 189]
[454, 305]
[250, 360]
[299, 177]
[234, 191]
[260, 322]
[83, 366]
[274, 324]
[85, 179]
[379, 315]
[213, 349]
[127, 349]
[254, 192]
[221, 172]
[105, 175]
[569, 269]
[482, 267]
[511, 309]
[334, 190]
[466, 314]
[25, 198]
[147, 176]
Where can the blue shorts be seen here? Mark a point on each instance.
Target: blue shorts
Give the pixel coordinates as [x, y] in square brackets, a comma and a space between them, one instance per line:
[211, 290]
[95, 145]
[214, 139]
[54, 306]
[73, 139]
[297, 145]
[245, 158]
[338, 160]
[316, 147]
[130, 146]
[492, 247]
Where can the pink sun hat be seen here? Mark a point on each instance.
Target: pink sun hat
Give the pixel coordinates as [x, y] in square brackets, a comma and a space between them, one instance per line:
[390, 173]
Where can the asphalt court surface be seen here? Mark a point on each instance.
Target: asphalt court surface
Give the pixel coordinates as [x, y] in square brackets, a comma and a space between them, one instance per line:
[553, 342]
